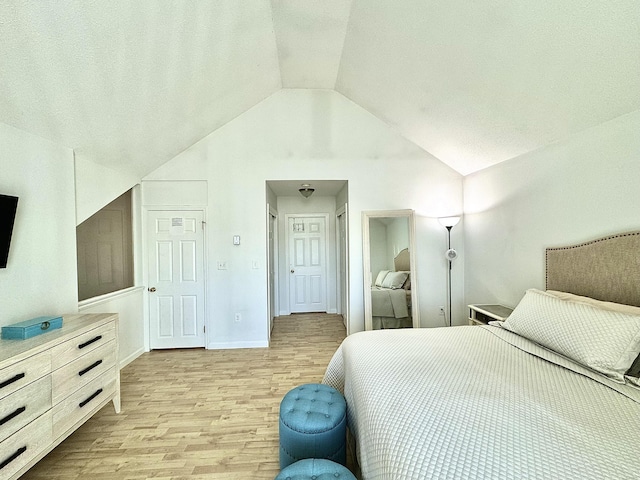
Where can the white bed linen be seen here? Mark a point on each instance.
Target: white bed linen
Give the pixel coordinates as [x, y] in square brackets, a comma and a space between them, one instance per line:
[387, 302]
[481, 403]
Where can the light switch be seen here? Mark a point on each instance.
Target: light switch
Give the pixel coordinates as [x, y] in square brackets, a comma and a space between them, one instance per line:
[236, 239]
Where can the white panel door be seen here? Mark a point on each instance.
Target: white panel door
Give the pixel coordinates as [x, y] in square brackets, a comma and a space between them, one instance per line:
[272, 271]
[342, 239]
[307, 264]
[175, 243]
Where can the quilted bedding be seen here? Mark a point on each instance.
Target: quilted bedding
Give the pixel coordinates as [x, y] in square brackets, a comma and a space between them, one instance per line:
[386, 302]
[481, 403]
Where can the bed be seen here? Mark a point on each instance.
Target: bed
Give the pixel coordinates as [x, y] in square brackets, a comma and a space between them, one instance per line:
[550, 394]
[391, 295]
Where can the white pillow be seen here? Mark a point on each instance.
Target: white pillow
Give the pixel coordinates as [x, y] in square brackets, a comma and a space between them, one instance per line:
[394, 280]
[380, 278]
[634, 370]
[603, 340]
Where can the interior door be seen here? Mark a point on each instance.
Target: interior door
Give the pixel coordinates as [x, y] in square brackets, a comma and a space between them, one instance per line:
[175, 245]
[307, 264]
[272, 271]
[342, 239]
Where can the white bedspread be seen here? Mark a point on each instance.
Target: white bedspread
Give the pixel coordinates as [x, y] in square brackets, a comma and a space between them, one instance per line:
[481, 403]
[387, 302]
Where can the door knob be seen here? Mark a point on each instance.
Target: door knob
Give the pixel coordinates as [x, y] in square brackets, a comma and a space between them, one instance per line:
[292, 271]
[152, 289]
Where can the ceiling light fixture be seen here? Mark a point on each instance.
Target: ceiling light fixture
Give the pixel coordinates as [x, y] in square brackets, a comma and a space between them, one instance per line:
[306, 190]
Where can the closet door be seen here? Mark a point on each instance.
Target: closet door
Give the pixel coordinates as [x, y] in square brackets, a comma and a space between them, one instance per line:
[175, 245]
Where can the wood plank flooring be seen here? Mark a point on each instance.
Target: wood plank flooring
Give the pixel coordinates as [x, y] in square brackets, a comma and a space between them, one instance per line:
[196, 414]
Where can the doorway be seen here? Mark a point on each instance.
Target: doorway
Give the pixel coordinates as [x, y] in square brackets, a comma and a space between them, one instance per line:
[272, 266]
[343, 265]
[307, 259]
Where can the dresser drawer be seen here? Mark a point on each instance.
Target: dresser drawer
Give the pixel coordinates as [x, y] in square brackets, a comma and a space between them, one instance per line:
[24, 372]
[21, 447]
[19, 408]
[82, 403]
[81, 371]
[71, 349]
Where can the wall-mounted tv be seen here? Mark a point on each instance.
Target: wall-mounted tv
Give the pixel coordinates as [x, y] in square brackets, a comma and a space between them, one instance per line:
[8, 207]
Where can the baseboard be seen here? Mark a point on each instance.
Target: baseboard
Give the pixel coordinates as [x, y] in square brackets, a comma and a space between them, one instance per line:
[126, 361]
[232, 345]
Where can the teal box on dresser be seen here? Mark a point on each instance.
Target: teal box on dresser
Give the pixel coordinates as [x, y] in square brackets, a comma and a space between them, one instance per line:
[31, 328]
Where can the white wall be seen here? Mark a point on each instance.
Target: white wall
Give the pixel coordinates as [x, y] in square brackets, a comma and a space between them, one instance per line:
[378, 248]
[40, 278]
[397, 238]
[129, 306]
[316, 135]
[576, 190]
[97, 185]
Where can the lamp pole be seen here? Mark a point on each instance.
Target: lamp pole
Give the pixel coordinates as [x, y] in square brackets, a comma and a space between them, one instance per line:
[449, 223]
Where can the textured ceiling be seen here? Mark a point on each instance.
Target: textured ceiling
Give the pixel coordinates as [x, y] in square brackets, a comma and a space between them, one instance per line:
[129, 84]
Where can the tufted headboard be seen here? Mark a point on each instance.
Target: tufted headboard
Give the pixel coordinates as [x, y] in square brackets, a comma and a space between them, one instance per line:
[605, 269]
[402, 261]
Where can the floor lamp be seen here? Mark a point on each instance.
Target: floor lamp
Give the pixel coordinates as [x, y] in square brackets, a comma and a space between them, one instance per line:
[451, 254]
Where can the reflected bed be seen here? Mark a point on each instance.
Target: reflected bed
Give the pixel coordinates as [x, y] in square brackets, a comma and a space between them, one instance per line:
[391, 297]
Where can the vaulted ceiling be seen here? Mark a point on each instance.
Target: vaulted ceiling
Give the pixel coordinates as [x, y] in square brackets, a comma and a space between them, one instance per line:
[129, 84]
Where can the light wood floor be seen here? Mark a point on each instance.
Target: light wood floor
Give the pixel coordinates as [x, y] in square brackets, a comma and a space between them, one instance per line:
[191, 414]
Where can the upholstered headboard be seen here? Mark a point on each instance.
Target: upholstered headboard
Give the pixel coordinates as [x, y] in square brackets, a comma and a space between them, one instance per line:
[605, 269]
[402, 262]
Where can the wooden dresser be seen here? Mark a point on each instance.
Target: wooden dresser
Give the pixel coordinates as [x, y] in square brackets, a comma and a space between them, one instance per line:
[53, 383]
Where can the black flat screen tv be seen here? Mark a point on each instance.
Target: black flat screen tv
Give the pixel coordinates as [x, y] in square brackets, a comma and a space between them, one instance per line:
[8, 207]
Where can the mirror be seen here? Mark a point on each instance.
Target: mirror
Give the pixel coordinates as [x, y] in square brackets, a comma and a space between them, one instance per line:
[390, 275]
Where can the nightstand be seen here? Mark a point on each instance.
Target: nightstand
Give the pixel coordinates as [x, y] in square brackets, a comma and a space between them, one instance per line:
[483, 314]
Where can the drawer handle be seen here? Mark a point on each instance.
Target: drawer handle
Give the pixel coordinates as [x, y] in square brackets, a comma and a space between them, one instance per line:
[89, 342]
[19, 452]
[95, 394]
[11, 380]
[12, 415]
[89, 368]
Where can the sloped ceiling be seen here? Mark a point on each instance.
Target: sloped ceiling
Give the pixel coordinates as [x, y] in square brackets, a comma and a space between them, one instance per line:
[131, 84]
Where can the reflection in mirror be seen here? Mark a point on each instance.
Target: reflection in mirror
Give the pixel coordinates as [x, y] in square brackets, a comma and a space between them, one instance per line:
[389, 269]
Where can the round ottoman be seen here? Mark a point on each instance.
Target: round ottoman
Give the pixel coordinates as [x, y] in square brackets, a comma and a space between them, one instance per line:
[315, 469]
[313, 424]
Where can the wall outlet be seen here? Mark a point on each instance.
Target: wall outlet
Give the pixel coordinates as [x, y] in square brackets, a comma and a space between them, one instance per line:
[237, 318]
[441, 308]
[222, 265]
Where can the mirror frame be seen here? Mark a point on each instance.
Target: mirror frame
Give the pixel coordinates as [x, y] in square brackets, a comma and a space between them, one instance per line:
[366, 262]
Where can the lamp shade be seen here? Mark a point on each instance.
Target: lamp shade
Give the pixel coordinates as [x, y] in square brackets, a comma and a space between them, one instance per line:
[449, 221]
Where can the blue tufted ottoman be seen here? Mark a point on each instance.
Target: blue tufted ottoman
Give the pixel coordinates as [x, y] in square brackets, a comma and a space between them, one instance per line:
[313, 424]
[316, 469]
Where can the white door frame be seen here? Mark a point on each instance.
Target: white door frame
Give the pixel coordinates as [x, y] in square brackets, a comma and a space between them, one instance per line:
[343, 295]
[145, 267]
[287, 216]
[271, 212]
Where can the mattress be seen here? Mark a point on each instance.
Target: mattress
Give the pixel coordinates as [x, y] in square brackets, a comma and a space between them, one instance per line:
[481, 403]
